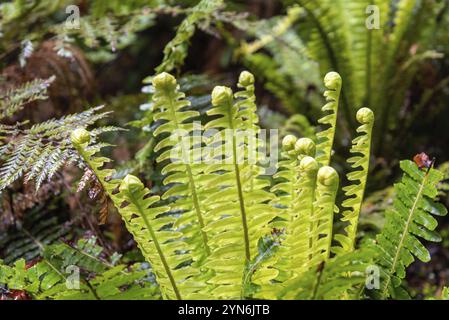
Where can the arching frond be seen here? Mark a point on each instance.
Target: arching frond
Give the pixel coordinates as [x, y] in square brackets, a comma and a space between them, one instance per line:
[15, 99]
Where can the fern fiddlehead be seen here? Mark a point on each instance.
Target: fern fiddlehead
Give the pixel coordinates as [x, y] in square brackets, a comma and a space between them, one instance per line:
[332, 81]
[361, 147]
[327, 187]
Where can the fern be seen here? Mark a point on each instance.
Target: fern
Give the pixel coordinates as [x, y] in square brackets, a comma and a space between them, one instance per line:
[410, 219]
[332, 82]
[168, 106]
[281, 73]
[330, 279]
[220, 231]
[39, 152]
[445, 293]
[175, 51]
[327, 188]
[375, 60]
[296, 251]
[354, 193]
[297, 125]
[41, 226]
[236, 222]
[13, 100]
[49, 278]
[286, 178]
[160, 245]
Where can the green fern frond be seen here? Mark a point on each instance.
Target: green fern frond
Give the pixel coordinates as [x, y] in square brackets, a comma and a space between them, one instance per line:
[85, 255]
[306, 241]
[281, 70]
[293, 150]
[39, 152]
[402, 21]
[445, 293]
[13, 100]
[258, 273]
[410, 219]
[150, 226]
[162, 246]
[267, 71]
[297, 242]
[179, 146]
[324, 209]
[330, 39]
[41, 226]
[361, 147]
[238, 214]
[49, 278]
[299, 126]
[332, 81]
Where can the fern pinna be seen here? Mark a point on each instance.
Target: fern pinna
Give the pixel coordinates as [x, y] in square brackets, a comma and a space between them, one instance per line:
[221, 231]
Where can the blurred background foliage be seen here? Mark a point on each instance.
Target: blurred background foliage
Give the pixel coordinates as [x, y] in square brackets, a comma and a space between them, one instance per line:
[400, 70]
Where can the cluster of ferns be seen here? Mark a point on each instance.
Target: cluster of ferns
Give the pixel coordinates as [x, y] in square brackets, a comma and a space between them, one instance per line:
[223, 230]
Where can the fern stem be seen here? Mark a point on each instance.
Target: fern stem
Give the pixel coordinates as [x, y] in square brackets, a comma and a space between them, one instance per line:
[317, 283]
[313, 224]
[404, 234]
[239, 188]
[92, 289]
[241, 202]
[37, 242]
[329, 240]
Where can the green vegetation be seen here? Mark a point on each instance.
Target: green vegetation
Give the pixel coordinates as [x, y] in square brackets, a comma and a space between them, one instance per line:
[297, 182]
